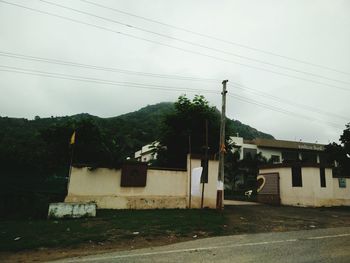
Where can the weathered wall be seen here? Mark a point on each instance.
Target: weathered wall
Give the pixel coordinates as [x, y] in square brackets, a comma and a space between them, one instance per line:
[210, 189]
[164, 188]
[341, 195]
[311, 193]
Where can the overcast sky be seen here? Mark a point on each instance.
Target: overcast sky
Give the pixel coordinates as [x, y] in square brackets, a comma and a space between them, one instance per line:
[304, 97]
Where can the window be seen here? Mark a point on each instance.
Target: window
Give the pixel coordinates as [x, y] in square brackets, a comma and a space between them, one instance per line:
[323, 177]
[342, 182]
[290, 156]
[248, 151]
[309, 157]
[134, 175]
[324, 158]
[296, 177]
[275, 159]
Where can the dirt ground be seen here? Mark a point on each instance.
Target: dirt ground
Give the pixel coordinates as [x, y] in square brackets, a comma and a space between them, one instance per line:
[238, 220]
[264, 218]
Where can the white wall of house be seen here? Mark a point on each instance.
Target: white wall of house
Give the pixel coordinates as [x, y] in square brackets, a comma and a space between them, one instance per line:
[341, 195]
[311, 193]
[164, 188]
[267, 153]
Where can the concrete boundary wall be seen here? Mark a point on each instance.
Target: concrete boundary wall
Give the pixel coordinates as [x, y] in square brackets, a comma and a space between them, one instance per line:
[164, 188]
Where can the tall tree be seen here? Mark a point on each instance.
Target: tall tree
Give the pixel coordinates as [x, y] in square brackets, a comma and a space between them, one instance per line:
[341, 152]
[187, 124]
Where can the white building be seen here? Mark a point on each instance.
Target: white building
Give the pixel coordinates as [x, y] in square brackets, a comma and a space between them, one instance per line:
[147, 153]
[302, 185]
[279, 151]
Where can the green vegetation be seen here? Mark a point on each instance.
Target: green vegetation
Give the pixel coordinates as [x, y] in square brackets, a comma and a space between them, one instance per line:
[118, 228]
[188, 122]
[35, 154]
[341, 153]
[240, 175]
[109, 226]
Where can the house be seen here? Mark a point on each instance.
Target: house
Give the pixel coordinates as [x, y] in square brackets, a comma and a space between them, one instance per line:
[147, 153]
[279, 151]
[302, 184]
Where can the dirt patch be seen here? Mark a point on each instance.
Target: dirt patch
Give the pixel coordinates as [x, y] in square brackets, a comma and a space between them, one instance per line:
[264, 218]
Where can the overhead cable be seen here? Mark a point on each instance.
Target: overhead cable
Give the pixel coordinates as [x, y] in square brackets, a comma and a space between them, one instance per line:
[196, 44]
[6, 68]
[216, 38]
[174, 47]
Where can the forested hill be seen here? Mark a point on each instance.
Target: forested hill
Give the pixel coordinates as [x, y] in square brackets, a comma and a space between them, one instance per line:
[26, 140]
[125, 133]
[143, 125]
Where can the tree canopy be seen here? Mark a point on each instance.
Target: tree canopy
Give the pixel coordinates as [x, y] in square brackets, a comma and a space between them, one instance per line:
[341, 152]
[185, 128]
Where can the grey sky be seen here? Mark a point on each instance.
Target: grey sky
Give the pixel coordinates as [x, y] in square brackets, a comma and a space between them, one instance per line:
[310, 30]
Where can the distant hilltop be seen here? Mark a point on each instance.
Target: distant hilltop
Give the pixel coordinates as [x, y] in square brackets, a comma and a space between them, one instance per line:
[133, 129]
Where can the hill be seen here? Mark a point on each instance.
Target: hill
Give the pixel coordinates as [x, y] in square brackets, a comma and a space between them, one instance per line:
[35, 154]
[24, 139]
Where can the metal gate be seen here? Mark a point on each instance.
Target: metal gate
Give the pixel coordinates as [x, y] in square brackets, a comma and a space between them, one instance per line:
[268, 188]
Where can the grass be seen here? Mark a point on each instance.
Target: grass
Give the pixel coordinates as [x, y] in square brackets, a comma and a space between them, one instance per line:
[115, 228]
[108, 226]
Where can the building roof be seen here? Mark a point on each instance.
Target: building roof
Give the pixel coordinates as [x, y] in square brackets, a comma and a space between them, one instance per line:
[269, 143]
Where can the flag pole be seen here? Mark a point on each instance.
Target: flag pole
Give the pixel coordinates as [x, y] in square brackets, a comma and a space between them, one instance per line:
[72, 142]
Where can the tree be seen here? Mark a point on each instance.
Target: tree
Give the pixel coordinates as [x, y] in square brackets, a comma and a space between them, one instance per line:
[188, 121]
[245, 170]
[341, 152]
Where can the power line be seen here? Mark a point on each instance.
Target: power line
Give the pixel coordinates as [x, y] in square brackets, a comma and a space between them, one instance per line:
[294, 104]
[217, 39]
[101, 81]
[5, 68]
[236, 85]
[171, 46]
[194, 43]
[280, 110]
[107, 69]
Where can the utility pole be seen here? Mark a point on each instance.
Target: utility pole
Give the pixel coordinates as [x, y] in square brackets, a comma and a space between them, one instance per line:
[222, 150]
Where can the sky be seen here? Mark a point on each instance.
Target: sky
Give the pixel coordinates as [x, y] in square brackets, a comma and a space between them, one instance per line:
[287, 62]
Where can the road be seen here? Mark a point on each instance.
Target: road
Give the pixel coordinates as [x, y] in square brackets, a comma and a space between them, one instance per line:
[319, 245]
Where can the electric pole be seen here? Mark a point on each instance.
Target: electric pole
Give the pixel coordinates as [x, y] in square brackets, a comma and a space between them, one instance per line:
[222, 150]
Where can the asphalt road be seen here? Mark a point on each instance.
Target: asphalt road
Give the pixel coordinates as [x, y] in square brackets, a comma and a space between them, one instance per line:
[319, 245]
